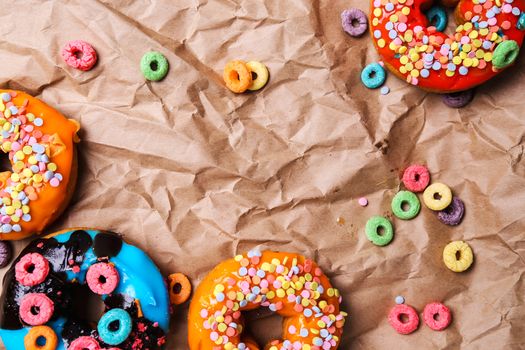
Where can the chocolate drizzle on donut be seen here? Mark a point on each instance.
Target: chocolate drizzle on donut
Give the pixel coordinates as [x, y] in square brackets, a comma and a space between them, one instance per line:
[107, 244]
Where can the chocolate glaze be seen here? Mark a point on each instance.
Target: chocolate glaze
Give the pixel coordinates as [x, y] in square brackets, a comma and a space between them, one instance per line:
[62, 257]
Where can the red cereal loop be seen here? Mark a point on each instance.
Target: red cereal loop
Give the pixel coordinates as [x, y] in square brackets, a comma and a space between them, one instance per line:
[31, 270]
[416, 178]
[79, 54]
[83, 343]
[394, 317]
[36, 309]
[441, 321]
[102, 278]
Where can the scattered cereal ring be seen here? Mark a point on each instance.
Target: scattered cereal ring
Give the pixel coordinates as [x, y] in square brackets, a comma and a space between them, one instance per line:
[80, 55]
[403, 198]
[102, 278]
[6, 253]
[458, 256]
[34, 336]
[416, 178]
[114, 327]
[31, 269]
[354, 22]
[437, 316]
[437, 16]
[259, 75]
[505, 54]
[453, 214]
[36, 309]
[458, 99]
[84, 343]
[374, 225]
[373, 76]
[237, 76]
[180, 288]
[154, 66]
[437, 196]
[395, 320]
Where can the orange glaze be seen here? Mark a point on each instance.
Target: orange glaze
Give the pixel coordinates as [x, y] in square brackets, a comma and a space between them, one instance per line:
[51, 200]
[283, 274]
[438, 80]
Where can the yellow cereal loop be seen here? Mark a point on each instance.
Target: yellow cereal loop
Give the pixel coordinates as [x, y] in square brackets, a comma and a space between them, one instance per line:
[259, 75]
[458, 256]
[437, 196]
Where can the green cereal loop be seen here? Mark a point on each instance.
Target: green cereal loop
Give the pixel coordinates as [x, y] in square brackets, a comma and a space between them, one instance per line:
[372, 227]
[405, 197]
[505, 54]
[154, 66]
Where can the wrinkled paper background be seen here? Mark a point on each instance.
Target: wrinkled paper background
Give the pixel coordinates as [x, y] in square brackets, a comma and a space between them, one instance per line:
[194, 174]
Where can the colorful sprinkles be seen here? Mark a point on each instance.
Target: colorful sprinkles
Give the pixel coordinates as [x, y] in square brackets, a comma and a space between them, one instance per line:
[278, 285]
[30, 152]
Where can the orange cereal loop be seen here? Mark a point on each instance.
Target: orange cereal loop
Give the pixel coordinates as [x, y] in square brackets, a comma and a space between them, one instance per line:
[41, 332]
[180, 288]
[237, 76]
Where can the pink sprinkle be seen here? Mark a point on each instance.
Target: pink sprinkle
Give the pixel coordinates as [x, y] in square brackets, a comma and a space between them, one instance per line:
[204, 313]
[54, 182]
[363, 201]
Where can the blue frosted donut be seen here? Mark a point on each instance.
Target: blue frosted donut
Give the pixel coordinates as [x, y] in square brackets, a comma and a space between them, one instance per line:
[140, 293]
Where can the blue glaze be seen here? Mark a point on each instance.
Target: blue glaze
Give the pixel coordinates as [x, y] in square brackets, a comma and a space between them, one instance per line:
[139, 278]
[437, 16]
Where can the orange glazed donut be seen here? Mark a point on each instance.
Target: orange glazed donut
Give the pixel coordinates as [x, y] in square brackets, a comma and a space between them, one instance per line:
[288, 284]
[487, 40]
[39, 142]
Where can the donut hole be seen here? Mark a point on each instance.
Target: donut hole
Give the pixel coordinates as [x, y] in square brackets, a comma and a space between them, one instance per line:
[78, 54]
[403, 318]
[177, 288]
[5, 163]
[102, 279]
[154, 65]
[458, 255]
[263, 325]
[416, 177]
[405, 206]
[254, 76]
[35, 310]
[41, 341]
[372, 74]
[355, 22]
[436, 317]
[437, 196]
[114, 326]
[380, 230]
[86, 305]
[234, 76]
[30, 268]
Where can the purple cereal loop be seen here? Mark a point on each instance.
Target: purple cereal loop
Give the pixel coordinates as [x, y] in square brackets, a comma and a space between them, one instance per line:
[6, 253]
[354, 22]
[453, 214]
[458, 99]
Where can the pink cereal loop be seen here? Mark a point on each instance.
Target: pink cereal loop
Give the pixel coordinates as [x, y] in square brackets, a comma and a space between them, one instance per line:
[83, 343]
[445, 316]
[102, 278]
[31, 270]
[394, 318]
[416, 178]
[80, 55]
[41, 303]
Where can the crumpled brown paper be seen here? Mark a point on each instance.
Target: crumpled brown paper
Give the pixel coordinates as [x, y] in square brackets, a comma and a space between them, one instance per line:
[194, 174]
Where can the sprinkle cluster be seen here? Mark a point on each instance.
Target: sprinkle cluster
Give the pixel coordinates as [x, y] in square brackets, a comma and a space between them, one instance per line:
[423, 50]
[29, 152]
[278, 285]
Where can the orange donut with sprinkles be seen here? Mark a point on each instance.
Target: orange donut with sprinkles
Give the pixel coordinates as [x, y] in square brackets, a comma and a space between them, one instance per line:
[40, 144]
[487, 40]
[288, 284]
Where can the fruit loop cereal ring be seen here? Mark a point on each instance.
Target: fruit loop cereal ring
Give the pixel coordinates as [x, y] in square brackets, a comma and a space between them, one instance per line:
[416, 178]
[437, 316]
[154, 66]
[395, 318]
[354, 22]
[521, 22]
[35, 336]
[114, 327]
[373, 76]
[180, 288]
[288, 284]
[373, 229]
[237, 76]
[260, 75]
[84, 343]
[102, 278]
[437, 16]
[6, 253]
[485, 40]
[80, 55]
[31, 270]
[458, 256]
[453, 214]
[437, 196]
[458, 99]
[36, 309]
[405, 198]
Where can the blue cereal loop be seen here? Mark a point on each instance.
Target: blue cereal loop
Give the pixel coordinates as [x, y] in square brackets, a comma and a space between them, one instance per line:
[437, 16]
[373, 76]
[118, 336]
